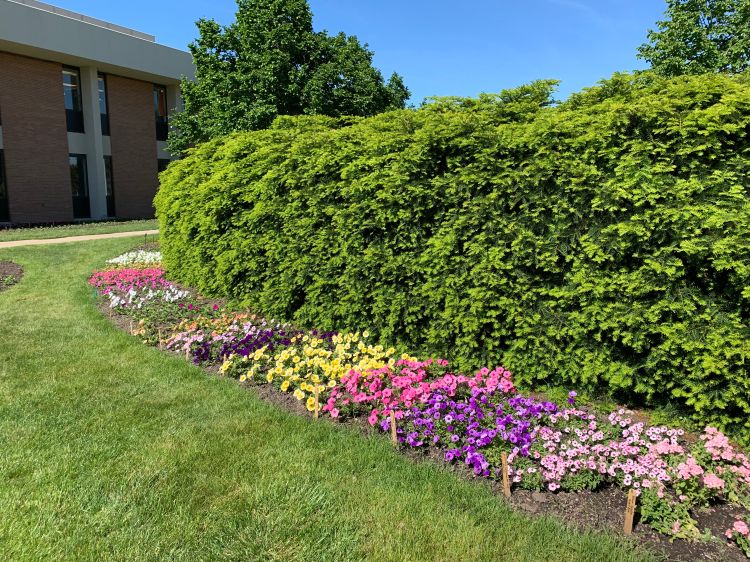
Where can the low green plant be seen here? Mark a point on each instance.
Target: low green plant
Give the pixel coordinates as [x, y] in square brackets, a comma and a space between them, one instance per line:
[667, 516]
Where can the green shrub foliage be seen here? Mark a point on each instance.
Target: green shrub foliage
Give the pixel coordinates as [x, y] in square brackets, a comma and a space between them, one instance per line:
[602, 242]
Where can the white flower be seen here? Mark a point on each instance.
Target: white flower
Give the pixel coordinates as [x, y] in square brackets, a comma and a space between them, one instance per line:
[138, 256]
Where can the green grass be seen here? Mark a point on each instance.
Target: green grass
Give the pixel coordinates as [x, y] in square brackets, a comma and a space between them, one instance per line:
[79, 229]
[112, 450]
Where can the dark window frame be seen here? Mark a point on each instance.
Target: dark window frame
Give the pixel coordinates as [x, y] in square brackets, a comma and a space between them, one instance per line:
[74, 116]
[109, 186]
[162, 120]
[103, 116]
[81, 202]
[4, 203]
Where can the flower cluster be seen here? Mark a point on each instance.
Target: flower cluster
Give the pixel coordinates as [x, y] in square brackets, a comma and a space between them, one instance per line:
[620, 450]
[740, 533]
[239, 336]
[314, 362]
[475, 426]
[137, 258]
[134, 288]
[397, 386]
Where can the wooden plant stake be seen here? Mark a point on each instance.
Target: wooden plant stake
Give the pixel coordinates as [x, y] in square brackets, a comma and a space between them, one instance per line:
[187, 354]
[317, 402]
[158, 344]
[506, 479]
[394, 438]
[629, 512]
[131, 327]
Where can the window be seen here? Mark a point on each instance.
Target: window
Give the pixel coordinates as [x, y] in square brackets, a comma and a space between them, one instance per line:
[160, 111]
[110, 186]
[162, 163]
[79, 183]
[103, 112]
[72, 96]
[4, 215]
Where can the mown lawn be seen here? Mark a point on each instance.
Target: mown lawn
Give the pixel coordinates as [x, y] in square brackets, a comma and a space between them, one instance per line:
[112, 450]
[37, 233]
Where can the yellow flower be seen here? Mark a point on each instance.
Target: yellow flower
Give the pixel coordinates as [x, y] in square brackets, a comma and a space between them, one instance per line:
[284, 386]
[269, 377]
[298, 394]
[365, 334]
[310, 404]
[243, 378]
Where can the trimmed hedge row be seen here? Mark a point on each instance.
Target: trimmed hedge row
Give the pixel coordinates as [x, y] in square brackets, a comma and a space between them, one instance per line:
[602, 242]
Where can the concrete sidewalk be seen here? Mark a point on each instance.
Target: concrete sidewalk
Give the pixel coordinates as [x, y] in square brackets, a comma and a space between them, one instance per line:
[16, 243]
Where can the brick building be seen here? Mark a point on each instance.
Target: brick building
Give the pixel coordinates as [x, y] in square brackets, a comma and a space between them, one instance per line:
[84, 113]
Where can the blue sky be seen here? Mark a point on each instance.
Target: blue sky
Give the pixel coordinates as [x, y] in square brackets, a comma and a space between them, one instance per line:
[443, 47]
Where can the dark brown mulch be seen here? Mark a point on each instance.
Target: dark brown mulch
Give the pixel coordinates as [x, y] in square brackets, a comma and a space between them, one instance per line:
[10, 274]
[602, 510]
[605, 509]
[150, 246]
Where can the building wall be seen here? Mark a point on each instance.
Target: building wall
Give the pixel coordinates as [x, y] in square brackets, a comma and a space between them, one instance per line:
[34, 140]
[133, 141]
[34, 32]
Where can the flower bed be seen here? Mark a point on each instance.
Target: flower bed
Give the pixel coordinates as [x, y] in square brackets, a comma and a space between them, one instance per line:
[469, 419]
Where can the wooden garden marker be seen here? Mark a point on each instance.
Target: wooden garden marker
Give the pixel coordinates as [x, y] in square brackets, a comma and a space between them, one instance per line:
[187, 354]
[506, 480]
[158, 345]
[394, 438]
[317, 401]
[131, 327]
[629, 512]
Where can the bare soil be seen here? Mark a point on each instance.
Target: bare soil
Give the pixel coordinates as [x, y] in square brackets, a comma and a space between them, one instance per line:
[10, 274]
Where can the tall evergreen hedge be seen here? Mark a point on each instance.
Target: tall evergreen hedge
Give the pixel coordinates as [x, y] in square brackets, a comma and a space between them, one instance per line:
[601, 242]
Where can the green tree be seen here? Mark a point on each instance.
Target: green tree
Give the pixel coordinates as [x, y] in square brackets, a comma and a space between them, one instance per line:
[700, 36]
[270, 62]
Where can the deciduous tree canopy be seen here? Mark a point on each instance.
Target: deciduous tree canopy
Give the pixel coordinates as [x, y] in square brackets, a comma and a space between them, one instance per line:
[270, 62]
[700, 36]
